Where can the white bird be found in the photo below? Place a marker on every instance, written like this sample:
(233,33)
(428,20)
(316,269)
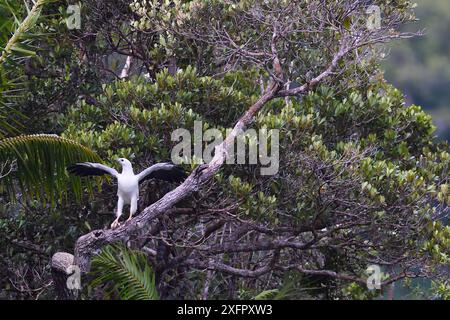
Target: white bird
(127,181)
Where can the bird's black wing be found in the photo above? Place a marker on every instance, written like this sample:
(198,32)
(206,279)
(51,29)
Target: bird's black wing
(91,169)
(165,171)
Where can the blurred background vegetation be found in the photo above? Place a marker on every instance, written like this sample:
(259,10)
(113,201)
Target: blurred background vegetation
(420,66)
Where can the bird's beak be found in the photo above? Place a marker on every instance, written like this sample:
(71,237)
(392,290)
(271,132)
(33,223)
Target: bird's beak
(117,160)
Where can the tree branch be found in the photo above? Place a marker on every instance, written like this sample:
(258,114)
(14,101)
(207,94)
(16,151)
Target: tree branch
(218,266)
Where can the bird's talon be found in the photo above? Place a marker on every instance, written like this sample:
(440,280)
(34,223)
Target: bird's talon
(115,224)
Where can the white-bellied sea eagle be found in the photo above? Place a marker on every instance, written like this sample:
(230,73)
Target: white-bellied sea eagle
(127,181)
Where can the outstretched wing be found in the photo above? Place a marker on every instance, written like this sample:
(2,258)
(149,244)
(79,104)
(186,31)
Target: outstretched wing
(163,171)
(91,169)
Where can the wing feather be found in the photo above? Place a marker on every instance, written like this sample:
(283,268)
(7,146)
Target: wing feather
(165,171)
(84,169)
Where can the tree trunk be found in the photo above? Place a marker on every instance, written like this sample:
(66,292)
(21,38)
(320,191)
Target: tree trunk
(63,273)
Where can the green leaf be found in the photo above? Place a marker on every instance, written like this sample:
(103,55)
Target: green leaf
(19,49)
(267,294)
(124,272)
(347,23)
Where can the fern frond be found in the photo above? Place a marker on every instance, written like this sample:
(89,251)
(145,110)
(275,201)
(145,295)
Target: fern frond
(125,272)
(39,166)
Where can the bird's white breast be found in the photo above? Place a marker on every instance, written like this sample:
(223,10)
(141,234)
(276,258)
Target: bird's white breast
(128,186)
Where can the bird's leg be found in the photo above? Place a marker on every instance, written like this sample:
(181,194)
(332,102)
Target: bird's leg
(133,208)
(116,223)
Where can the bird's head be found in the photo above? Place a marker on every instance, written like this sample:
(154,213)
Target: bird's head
(124,163)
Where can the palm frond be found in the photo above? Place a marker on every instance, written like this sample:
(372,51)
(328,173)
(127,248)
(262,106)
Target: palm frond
(39,163)
(14,50)
(14,43)
(267,294)
(124,272)
(289,289)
